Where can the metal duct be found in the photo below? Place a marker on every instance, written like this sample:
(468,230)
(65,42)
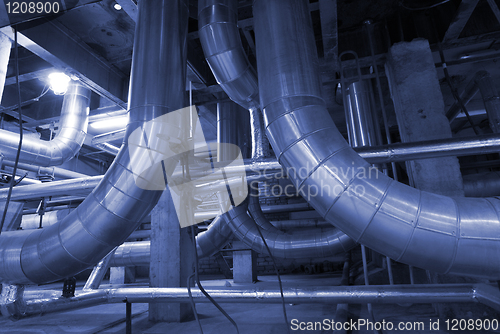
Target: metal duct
(358,111)
(68,141)
(208,243)
(6,36)
(482,185)
(305,244)
(116,206)
(442,234)
(221,43)
(32,221)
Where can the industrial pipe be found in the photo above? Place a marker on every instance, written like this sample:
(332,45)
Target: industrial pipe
(376,154)
(117,205)
(6,36)
(17,303)
(220,40)
(68,140)
(306,244)
(482,185)
(446,235)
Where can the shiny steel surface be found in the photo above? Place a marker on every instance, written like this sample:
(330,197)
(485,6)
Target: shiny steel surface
(438,233)
(55,171)
(359,115)
(482,185)
(483,144)
(220,39)
(56,188)
(32,221)
(68,141)
(116,206)
(304,244)
(16,303)
(97,274)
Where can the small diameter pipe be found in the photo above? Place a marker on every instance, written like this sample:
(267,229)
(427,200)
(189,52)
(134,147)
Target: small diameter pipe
(17,304)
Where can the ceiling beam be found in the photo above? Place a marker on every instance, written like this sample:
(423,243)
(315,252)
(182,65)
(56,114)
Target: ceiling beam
(40,74)
(494,8)
(462,16)
(57,46)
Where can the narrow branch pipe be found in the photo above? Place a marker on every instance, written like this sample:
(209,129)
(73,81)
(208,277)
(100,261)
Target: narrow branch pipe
(68,141)
(17,303)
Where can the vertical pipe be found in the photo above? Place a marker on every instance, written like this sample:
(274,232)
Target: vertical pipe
(227,131)
(5,46)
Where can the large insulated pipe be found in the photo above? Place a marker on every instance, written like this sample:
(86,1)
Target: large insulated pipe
(221,43)
(438,233)
(17,303)
(208,243)
(482,185)
(117,205)
(68,141)
(305,244)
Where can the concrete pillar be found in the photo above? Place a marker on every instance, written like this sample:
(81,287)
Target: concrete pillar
(419,107)
(121,275)
(244,264)
(172,259)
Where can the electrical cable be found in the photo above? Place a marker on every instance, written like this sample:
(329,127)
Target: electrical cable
(197,278)
(191,301)
(423,8)
(277,274)
(14,171)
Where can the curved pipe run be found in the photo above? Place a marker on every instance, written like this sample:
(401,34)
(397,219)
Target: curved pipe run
(68,141)
(306,244)
(438,233)
(117,205)
(221,43)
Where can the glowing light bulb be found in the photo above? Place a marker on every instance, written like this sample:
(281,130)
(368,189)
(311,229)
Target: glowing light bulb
(59,82)
(117,6)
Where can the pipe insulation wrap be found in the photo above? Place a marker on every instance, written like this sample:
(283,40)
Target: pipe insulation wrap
(438,233)
(117,205)
(68,140)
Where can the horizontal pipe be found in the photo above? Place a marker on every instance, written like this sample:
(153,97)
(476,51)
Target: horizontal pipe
(56,188)
(482,185)
(17,304)
(57,172)
(484,144)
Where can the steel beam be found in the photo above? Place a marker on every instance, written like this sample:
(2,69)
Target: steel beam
(57,46)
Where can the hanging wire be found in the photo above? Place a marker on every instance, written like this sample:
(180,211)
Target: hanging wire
(19,110)
(277,275)
(191,300)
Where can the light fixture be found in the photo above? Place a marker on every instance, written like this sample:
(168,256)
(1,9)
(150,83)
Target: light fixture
(59,82)
(117,6)
(111,123)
